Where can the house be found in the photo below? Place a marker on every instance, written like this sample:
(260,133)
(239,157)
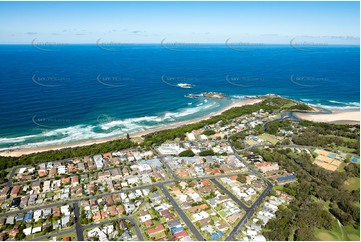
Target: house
(174,223)
(10,220)
(267,166)
(42,172)
(28,216)
(56,212)
(36,230)
(181,234)
(65,210)
(109,200)
(113,210)
(98,161)
(125,171)
(72,167)
(52,172)
(156,230)
(65,180)
(36,185)
(74,181)
(62,170)
(216,235)
(286,179)
(125,236)
(107,155)
(37,215)
(19,218)
(4,192)
(191,136)
(183,185)
(148,223)
(65,220)
(27,231)
(15,191)
(170,149)
(97,216)
(175,230)
(116,174)
(103,175)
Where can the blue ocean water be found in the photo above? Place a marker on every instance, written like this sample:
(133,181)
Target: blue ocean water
(66,94)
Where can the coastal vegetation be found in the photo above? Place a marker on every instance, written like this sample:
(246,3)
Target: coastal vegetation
(271,104)
(320,198)
(338,137)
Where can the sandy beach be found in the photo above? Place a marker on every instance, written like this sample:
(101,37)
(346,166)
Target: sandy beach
(350,117)
(24,151)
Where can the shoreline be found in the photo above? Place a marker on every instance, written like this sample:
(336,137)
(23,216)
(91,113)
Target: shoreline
(16,152)
(339,116)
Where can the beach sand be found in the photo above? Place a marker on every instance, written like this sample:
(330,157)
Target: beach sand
(24,151)
(347,117)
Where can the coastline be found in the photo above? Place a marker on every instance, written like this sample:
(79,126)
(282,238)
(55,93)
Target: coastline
(24,151)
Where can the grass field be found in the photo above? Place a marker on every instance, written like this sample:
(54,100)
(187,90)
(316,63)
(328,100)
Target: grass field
(352,183)
(344,149)
(341,167)
(338,233)
(251,142)
(270,138)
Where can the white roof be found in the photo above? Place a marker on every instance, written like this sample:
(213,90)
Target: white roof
(27,231)
(22,170)
(35,230)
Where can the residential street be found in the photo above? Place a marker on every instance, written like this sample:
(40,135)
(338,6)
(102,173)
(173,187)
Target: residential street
(182,214)
(79,229)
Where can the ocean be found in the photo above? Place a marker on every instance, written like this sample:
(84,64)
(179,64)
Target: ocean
(64,94)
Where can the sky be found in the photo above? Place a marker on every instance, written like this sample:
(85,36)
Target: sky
(180,22)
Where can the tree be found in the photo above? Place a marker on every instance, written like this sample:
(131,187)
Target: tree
(20,236)
(242,178)
(186,153)
(208,132)
(207,153)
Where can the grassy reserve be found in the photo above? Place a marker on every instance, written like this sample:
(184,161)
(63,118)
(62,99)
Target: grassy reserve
(338,233)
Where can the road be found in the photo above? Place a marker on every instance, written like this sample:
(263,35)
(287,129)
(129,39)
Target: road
(249,211)
(76,200)
(231,195)
(182,214)
(170,170)
(78,227)
(249,214)
(12,173)
(131,220)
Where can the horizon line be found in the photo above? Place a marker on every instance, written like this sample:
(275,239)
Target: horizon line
(186,43)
